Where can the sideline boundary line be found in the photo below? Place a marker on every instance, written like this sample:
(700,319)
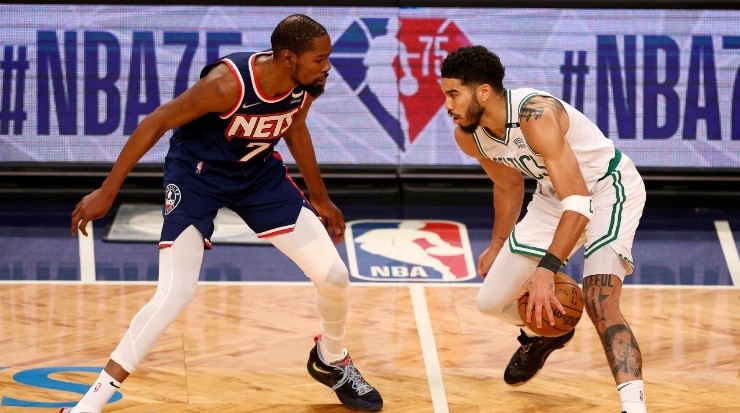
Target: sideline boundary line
(354,285)
(428,349)
(87,255)
(729,249)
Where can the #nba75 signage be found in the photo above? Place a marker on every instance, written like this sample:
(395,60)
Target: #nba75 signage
(664,84)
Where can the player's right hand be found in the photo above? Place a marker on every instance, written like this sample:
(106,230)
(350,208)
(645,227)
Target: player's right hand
(93,206)
(541,289)
(486,258)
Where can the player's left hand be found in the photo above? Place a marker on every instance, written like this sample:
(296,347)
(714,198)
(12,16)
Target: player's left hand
(332,218)
(541,289)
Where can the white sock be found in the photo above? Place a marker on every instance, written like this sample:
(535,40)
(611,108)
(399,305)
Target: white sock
(98,395)
(632,394)
(330,358)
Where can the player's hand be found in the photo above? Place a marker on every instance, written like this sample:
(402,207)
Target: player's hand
(486,258)
(541,289)
(332,218)
(93,206)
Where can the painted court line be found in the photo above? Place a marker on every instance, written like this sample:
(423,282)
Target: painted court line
(87,255)
(729,249)
(228,284)
(428,348)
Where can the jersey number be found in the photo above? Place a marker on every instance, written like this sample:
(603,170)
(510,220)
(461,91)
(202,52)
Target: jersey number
(254,149)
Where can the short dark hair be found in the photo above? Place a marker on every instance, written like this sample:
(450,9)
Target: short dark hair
(296,33)
(473,66)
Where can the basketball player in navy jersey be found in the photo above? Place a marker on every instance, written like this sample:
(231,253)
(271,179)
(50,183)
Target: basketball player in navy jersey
(222,155)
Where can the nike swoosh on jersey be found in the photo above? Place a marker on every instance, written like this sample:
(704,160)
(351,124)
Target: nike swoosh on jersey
(244,106)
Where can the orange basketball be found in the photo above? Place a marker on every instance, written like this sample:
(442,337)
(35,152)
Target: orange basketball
(570,296)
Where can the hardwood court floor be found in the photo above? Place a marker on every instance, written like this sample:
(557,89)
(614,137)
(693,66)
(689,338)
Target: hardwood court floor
(243,348)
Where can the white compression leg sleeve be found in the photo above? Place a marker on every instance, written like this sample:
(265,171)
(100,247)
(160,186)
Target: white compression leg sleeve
(310,247)
(179,267)
(497,296)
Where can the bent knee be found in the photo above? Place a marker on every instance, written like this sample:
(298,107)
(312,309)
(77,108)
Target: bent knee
(490,305)
(336,281)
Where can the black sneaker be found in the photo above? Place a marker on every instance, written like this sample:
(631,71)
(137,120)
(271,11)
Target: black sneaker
(346,381)
(531,355)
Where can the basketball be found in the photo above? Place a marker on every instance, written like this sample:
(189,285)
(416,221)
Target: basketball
(570,295)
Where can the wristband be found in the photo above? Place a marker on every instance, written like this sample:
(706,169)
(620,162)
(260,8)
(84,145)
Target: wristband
(580,204)
(550,262)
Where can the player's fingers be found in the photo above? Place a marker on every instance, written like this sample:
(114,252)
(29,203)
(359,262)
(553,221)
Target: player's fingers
(538,315)
(338,234)
(341,225)
(480,269)
(334,231)
(550,315)
(558,305)
(530,307)
(75,221)
(83,225)
(523,290)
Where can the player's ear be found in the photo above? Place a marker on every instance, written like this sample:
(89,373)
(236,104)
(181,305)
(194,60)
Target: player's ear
(483,92)
(289,58)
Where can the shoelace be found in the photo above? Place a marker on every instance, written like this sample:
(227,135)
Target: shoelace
(350,373)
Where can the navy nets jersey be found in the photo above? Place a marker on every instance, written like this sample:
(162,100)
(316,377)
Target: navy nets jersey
(248,132)
(228,160)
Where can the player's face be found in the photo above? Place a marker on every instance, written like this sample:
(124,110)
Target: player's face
(462,105)
(313,66)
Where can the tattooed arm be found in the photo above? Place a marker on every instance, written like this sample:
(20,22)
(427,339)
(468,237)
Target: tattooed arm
(544,122)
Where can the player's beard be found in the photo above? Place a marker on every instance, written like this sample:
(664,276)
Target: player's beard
(314,88)
(474,113)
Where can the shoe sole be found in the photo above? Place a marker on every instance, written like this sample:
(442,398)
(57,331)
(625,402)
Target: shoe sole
(521,383)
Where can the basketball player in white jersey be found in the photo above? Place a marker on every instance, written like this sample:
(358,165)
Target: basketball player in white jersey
(588,194)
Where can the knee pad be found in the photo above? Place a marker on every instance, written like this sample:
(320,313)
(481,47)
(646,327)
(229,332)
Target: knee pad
(336,282)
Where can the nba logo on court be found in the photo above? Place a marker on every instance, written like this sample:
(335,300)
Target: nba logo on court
(409,250)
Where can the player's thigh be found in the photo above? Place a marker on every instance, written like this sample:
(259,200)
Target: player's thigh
(505,278)
(188,203)
(271,208)
(619,201)
(533,235)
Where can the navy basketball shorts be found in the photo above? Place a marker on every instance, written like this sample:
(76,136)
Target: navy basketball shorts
(265,197)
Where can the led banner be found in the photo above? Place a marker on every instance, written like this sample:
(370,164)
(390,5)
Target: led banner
(663,84)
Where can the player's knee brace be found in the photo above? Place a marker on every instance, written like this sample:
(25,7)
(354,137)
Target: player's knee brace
(335,284)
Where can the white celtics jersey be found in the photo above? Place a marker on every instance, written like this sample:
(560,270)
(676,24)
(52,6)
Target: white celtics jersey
(595,153)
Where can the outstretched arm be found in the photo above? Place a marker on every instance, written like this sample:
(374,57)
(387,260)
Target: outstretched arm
(299,142)
(216,92)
